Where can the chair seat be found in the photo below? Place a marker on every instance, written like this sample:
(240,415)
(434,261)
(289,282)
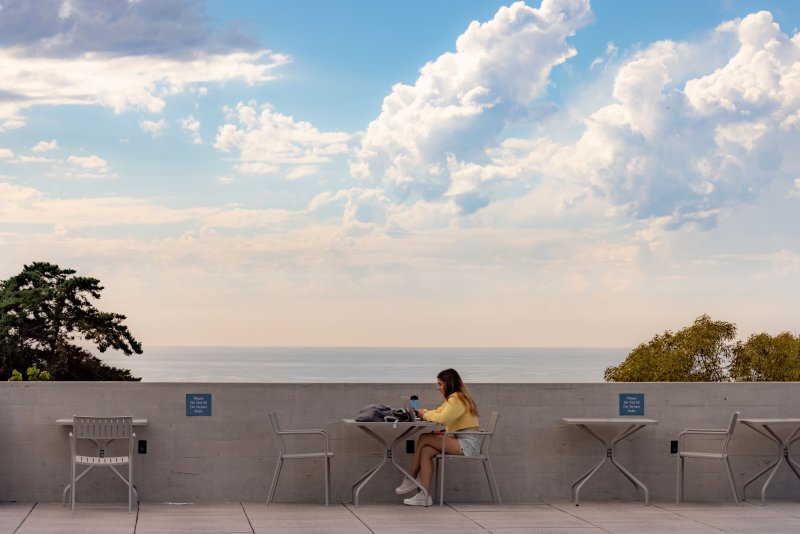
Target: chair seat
(94,460)
(687,454)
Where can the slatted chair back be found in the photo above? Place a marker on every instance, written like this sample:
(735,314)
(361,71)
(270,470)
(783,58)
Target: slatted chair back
(102,427)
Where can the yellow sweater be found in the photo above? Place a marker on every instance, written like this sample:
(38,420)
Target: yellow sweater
(453,414)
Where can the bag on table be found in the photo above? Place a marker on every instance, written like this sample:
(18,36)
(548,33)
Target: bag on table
(373,413)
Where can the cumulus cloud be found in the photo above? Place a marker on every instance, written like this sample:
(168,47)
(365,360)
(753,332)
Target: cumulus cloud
(192,126)
(117,54)
(463,100)
(119,83)
(6,153)
(45,146)
(69,28)
(35,159)
(691,129)
(266,140)
(89,162)
(154,128)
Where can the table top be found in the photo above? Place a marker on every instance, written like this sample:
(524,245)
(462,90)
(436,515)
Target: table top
(67,421)
(394,424)
(769,420)
(609,420)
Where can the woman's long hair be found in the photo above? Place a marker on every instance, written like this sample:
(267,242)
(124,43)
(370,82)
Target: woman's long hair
(453,384)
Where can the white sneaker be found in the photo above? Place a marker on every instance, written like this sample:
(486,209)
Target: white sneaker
(420,499)
(407,486)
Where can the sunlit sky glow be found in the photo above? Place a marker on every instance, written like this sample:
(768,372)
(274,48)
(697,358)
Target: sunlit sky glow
(415,173)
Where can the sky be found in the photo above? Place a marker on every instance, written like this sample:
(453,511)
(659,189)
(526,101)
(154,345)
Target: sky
(407,173)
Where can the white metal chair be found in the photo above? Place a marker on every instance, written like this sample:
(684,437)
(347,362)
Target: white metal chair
(722,433)
(326,455)
(485,437)
(101,431)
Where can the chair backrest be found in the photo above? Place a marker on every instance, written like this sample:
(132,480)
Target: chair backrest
(85,427)
(276,426)
(731,428)
(490,426)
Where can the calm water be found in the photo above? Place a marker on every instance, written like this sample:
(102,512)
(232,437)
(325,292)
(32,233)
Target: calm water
(342,364)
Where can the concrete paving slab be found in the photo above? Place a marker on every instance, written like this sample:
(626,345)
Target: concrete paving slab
(53,518)
(302,518)
(12,514)
(548,530)
(386,518)
(171,518)
(411,516)
(529,517)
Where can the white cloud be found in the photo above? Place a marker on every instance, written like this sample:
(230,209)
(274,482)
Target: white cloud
(266,139)
(93,163)
(302,171)
(257,167)
(6,153)
(154,128)
(192,127)
(118,82)
(27,205)
(692,128)
(45,146)
(462,100)
(36,159)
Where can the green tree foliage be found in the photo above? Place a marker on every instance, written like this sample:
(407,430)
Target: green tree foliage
(34,374)
(766,358)
(47,316)
(698,353)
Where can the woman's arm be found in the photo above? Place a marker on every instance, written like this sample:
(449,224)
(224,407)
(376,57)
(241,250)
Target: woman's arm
(447,413)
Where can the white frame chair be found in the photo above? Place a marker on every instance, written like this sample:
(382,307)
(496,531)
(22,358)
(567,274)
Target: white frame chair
(326,455)
(485,437)
(725,434)
(101,431)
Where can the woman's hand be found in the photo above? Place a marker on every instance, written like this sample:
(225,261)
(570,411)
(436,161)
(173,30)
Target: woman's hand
(421,412)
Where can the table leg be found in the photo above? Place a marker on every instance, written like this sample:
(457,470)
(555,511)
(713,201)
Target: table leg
(578,484)
(770,435)
(633,480)
(787,452)
(388,454)
(410,432)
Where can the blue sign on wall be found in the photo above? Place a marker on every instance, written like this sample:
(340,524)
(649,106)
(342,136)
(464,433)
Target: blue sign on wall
(631,403)
(198,404)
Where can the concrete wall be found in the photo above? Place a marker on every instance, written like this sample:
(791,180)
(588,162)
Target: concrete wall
(230,455)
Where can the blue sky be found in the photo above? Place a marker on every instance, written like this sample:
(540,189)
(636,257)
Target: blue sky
(423,173)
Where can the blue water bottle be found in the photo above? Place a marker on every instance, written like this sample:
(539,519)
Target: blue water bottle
(414,402)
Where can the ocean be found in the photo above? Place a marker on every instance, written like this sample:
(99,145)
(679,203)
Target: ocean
(366,364)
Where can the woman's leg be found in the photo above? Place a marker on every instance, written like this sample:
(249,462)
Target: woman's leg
(428,446)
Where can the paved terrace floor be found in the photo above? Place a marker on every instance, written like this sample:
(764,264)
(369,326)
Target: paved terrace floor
(553,518)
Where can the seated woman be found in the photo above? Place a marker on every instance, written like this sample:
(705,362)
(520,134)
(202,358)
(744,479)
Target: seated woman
(458,412)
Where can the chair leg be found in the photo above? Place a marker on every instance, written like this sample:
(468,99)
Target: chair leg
(130,487)
(495,491)
(274,480)
(730,479)
(72,487)
(327,480)
(679,481)
(441,481)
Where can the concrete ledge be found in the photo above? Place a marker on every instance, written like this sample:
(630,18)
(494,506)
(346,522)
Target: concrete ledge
(230,455)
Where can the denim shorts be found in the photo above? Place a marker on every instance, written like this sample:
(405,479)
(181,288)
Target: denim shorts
(470,445)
